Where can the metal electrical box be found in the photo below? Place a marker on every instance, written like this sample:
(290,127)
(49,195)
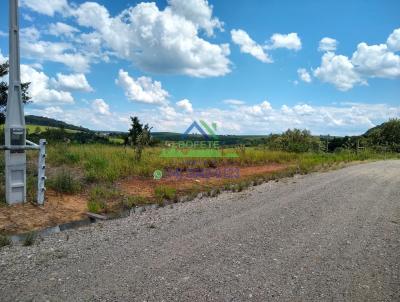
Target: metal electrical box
(15,167)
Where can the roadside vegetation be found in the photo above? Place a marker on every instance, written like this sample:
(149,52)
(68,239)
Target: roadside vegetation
(94,169)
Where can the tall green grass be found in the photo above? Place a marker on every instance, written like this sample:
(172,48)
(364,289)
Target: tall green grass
(78,165)
(105,163)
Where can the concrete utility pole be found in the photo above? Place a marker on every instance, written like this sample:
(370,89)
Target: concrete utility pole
(15,134)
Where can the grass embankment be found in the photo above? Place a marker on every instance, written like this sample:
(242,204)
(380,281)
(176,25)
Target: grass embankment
(87,168)
(94,171)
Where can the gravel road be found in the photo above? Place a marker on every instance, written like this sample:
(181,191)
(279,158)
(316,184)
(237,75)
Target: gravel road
(331,236)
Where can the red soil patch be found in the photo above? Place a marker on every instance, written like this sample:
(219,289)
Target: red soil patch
(56,210)
(145,186)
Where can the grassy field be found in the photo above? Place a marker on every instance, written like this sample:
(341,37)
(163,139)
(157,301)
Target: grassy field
(107,179)
(103,163)
(80,169)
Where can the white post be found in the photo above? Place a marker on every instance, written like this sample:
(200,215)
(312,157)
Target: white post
(41,172)
(15,134)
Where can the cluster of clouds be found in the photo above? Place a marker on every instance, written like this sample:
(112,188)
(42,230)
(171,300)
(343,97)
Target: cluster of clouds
(238,117)
(45,90)
(258,51)
(366,62)
(178,40)
(142,90)
(170,41)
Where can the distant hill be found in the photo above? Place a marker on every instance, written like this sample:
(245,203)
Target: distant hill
(49,122)
(387,134)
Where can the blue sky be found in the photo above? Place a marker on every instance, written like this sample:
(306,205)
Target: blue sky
(253,67)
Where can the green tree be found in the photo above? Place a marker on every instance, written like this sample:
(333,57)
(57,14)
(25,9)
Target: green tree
(142,141)
(387,134)
(4,68)
(139,136)
(134,131)
(295,140)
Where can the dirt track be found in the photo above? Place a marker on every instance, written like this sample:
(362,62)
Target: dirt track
(323,237)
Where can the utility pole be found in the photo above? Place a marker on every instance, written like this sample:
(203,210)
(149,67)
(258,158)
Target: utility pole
(15,134)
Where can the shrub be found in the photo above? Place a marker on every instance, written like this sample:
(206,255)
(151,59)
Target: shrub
(64,182)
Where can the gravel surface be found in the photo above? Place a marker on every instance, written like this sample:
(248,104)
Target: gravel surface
(331,236)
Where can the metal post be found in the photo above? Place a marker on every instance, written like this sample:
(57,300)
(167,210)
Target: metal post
(15,134)
(41,172)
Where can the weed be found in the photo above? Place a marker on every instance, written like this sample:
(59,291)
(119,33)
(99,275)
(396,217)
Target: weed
(4,240)
(64,182)
(133,200)
(30,239)
(216,192)
(31,190)
(95,168)
(98,197)
(164,192)
(96,206)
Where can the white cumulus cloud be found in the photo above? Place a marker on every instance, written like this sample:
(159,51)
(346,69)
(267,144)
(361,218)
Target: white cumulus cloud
(61,52)
(376,61)
(101,107)
(327,44)
(76,82)
(289,41)
(62,29)
(40,88)
(393,40)
(304,75)
(159,41)
(46,7)
(142,89)
(368,61)
(197,11)
(249,46)
(185,105)
(339,71)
